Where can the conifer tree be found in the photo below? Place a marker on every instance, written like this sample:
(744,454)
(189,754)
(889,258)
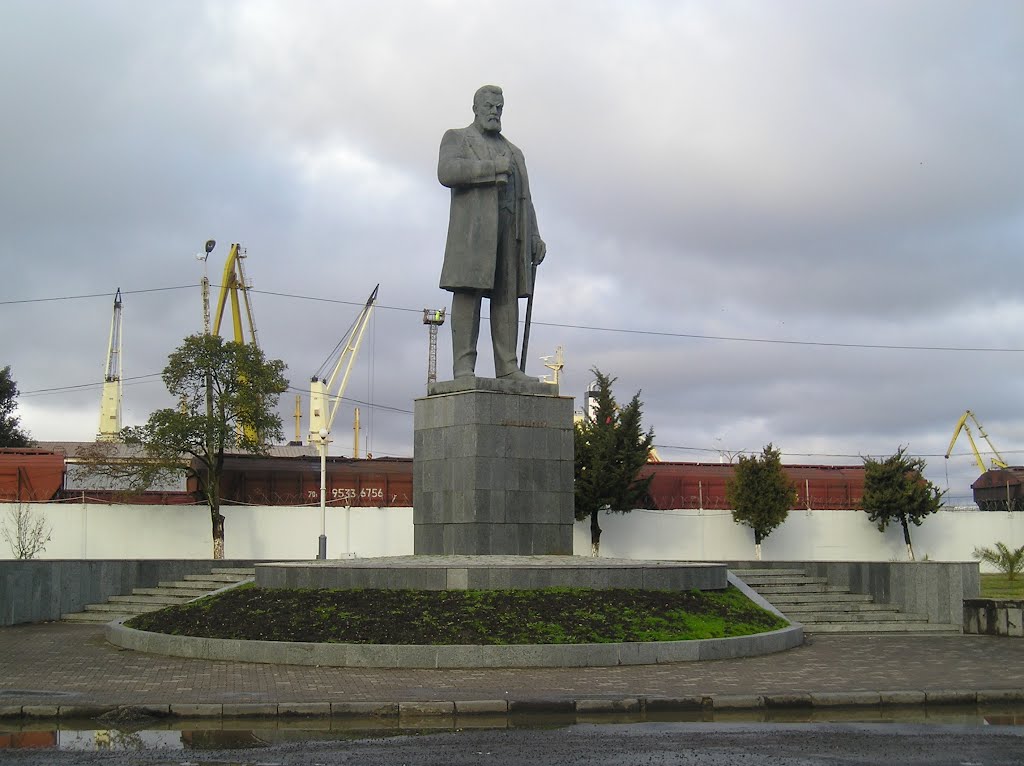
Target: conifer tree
(895,490)
(611,448)
(760,494)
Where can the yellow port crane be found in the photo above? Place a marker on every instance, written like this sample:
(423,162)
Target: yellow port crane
(234,282)
(961,425)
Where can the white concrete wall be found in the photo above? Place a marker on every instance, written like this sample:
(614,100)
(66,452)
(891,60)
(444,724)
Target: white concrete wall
(805,535)
(95,531)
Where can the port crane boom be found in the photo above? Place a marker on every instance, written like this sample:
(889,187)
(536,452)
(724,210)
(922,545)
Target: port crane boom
(110,404)
(234,282)
(961,425)
(323,405)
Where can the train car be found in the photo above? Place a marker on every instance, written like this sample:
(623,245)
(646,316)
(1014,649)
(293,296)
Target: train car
(291,476)
(1000,489)
(388,482)
(374,482)
(30,475)
(702,485)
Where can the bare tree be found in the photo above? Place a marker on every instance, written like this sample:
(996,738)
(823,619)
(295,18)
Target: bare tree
(26,531)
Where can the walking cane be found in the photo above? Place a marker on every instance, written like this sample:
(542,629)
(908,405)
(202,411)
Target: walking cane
(529,315)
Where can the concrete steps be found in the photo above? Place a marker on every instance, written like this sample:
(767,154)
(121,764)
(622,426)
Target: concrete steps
(824,608)
(142,600)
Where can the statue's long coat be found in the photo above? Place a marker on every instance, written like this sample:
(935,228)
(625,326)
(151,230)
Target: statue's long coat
(470,255)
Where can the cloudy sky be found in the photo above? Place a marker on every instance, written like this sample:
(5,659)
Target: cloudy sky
(791,222)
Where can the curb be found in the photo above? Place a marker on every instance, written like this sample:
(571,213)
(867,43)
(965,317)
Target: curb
(469,656)
(403,711)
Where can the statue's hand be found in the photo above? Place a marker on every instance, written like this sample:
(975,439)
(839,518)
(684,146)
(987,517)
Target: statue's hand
(539,250)
(502,169)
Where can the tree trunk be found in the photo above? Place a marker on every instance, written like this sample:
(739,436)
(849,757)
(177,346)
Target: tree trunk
(218,533)
(595,535)
(757,551)
(906,538)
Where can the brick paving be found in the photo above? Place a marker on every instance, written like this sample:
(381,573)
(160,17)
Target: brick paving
(68,665)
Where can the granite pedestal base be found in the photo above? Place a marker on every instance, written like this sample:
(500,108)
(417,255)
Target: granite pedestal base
(493,469)
(493,572)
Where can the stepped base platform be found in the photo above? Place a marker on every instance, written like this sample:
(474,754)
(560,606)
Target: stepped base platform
(484,572)
(492,572)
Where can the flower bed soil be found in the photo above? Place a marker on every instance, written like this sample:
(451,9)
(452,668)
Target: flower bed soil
(548,616)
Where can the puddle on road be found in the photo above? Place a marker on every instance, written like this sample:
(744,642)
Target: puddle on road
(201,734)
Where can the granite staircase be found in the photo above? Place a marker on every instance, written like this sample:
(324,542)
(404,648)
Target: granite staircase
(143,600)
(824,608)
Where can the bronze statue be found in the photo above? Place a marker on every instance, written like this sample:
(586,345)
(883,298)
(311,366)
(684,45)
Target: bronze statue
(493,243)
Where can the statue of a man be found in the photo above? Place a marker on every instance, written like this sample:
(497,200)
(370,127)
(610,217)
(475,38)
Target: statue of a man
(493,243)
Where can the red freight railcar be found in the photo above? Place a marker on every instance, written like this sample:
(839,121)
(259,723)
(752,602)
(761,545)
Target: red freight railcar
(296,481)
(1000,489)
(30,475)
(702,485)
(388,482)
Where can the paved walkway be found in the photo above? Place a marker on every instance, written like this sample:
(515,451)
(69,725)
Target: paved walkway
(58,664)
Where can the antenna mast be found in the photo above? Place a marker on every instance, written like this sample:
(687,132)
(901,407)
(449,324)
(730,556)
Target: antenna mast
(434,318)
(210,244)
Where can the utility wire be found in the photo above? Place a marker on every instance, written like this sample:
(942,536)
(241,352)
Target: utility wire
(357,401)
(683,448)
(58,389)
(858,456)
(591,328)
(94,295)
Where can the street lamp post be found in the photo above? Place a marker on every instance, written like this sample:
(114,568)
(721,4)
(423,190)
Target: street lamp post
(322,547)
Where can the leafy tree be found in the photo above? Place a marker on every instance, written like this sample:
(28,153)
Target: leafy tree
(11,434)
(238,414)
(760,494)
(895,490)
(611,448)
(1009,562)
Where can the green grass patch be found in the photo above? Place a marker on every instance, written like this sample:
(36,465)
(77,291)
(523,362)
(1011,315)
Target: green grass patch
(1001,586)
(546,616)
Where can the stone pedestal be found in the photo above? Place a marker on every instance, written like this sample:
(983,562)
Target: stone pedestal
(493,469)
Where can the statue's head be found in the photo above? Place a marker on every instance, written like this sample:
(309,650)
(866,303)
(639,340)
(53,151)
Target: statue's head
(487,106)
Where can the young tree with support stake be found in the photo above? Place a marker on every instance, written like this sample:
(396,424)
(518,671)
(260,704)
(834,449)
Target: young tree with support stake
(228,394)
(760,494)
(895,490)
(611,448)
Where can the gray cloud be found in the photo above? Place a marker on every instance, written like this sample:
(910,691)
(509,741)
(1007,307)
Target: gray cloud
(840,173)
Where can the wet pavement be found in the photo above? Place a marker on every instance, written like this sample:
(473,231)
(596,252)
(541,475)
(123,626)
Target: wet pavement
(58,664)
(676,744)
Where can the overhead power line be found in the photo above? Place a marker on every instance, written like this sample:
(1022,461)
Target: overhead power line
(360,402)
(94,295)
(857,456)
(97,384)
(589,328)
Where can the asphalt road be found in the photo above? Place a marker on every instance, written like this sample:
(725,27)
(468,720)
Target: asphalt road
(648,744)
